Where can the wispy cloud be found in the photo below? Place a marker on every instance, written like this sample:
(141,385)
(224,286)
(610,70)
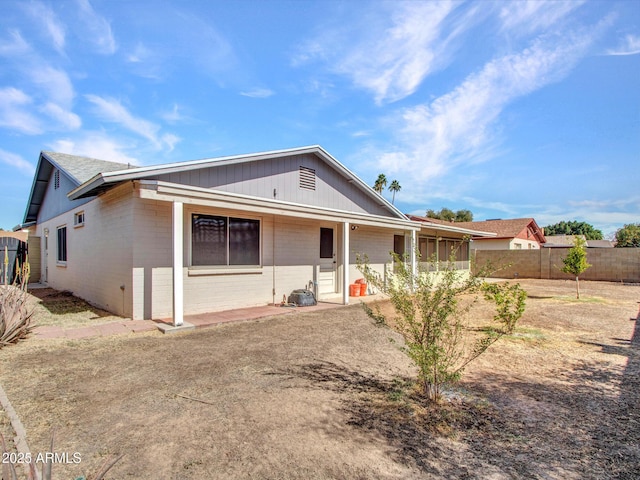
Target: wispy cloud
(527,16)
(389,53)
(98,28)
(258,93)
(113,111)
(15,111)
(65,118)
(16,45)
(174,115)
(17,162)
(54,82)
(52,26)
(461,126)
(630,45)
(95,145)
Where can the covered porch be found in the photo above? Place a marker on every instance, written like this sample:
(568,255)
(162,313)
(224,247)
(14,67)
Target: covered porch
(272,247)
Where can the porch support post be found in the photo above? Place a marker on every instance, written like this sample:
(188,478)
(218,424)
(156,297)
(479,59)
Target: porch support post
(412,255)
(345,262)
(178,249)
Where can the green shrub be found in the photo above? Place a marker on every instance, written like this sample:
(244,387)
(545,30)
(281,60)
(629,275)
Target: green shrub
(431,316)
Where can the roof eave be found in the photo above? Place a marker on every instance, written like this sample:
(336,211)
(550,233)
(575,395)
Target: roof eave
(103,179)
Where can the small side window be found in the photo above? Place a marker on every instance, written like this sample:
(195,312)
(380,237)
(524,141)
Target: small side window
(78,219)
(61,249)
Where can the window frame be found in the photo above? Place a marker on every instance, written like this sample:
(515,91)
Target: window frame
(62,250)
(78,219)
(224,266)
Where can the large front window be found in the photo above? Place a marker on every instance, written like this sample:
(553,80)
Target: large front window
(225,241)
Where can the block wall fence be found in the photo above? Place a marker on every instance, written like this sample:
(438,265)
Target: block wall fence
(608,264)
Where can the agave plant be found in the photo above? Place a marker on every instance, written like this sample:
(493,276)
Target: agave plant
(15,313)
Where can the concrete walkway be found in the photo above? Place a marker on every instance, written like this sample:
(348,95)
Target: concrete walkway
(198,321)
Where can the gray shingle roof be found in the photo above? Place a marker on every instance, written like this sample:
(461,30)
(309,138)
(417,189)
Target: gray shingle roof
(82,169)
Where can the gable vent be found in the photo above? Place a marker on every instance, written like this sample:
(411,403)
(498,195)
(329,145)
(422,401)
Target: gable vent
(56,179)
(307,178)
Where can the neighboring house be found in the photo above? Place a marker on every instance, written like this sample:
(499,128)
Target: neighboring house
(513,234)
(208,235)
(12,248)
(567,241)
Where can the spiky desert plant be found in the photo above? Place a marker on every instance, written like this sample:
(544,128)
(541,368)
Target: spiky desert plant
(15,312)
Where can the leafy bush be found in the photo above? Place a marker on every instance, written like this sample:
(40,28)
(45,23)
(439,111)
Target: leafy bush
(431,316)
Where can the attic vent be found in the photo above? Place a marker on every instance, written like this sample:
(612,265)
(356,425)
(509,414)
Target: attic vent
(307,178)
(56,179)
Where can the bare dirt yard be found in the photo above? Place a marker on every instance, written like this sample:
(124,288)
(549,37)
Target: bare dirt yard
(327,395)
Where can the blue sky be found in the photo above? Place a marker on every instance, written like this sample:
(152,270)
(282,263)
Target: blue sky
(508,109)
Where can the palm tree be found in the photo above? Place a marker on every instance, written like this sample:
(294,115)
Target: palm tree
(381,182)
(394,187)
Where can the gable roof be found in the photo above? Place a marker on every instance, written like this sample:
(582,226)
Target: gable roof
(506,228)
(77,169)
(450,226)
(93,176)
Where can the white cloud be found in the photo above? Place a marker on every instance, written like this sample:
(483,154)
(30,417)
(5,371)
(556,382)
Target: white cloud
(95,145)
(170,140)
(54,82)
(173,116)
(15,112)
(44,14)
(98,28)
(388,54)
(139,54)
(460,125)
(258,93)
(629,46)
(15,46)
(17,162)
(113,111)
(65,118)
(528,16)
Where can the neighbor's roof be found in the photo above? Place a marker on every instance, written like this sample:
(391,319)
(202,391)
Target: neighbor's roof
(77,169)
(450,226)
(505,228)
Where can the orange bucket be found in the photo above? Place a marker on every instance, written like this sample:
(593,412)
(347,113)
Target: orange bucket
(354,290)
(363,289)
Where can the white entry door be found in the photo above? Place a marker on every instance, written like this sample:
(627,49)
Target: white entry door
(327,273)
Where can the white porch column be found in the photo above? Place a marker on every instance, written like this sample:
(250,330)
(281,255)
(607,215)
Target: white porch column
(178,249)
(345,262)
(412,255)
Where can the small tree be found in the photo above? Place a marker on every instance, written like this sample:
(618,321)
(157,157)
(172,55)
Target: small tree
(431,317)
(576,261)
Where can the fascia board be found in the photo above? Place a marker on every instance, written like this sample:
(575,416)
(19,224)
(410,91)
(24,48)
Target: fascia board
(201,196)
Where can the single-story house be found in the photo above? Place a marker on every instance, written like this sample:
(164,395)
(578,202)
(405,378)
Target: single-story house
(207,235)
(511,234)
